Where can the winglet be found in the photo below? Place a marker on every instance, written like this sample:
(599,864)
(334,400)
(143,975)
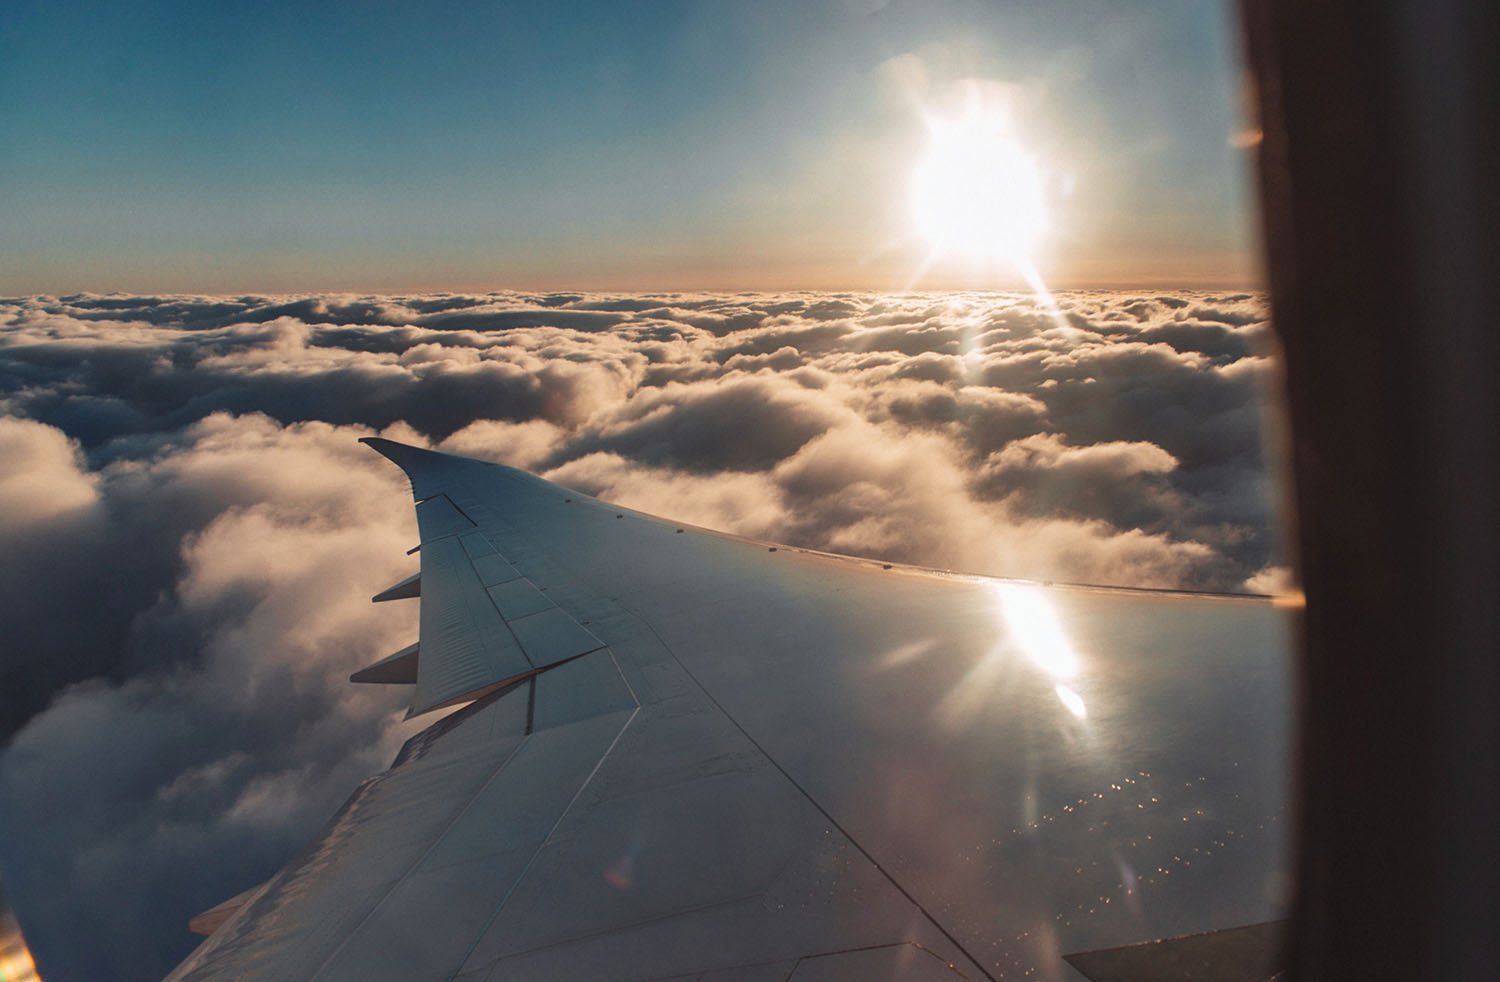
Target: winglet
(399,454)
(404,456)
(428,470)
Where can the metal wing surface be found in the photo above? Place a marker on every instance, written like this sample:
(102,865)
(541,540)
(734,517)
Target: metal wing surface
(687,755)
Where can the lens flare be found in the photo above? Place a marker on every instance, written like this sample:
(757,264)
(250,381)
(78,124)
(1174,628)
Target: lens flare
(15,958)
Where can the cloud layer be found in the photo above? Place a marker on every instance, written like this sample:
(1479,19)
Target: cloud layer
(192,532)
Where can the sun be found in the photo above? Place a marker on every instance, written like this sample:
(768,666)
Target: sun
(977,194)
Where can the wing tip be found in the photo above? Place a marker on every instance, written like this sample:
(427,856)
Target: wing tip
(390,449)
(424,468)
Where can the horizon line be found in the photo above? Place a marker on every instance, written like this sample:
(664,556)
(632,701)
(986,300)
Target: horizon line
(460,290)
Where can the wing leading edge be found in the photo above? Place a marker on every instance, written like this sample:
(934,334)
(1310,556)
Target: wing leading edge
(687,755)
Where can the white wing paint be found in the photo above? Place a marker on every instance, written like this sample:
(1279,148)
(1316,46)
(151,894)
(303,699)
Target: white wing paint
(691,756)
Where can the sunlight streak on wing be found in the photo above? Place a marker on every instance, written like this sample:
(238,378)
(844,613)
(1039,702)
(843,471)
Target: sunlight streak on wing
(904,654)
(966,701)
(1036,629)
(1072,700)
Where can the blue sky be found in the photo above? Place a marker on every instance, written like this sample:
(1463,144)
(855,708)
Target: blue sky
(619,145)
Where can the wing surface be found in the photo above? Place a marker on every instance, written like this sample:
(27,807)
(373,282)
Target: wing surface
(691,756)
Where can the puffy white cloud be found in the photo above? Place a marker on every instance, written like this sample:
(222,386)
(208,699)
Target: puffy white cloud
(228,729)
(1273,580)
(42,482)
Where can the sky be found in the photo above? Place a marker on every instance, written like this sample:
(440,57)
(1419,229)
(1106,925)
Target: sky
(235,146)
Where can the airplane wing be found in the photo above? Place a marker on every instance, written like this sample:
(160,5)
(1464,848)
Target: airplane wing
(687,755)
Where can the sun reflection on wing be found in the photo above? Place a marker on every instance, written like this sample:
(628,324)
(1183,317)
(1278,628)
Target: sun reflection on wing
(1072,700)
(1030,627)
(1034,626)
(1036,629)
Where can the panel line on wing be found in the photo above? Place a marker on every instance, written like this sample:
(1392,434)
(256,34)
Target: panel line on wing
(477,544)
(525,870)
(483,624)
(726,904)
(531,705)
(918,946)
(438,518)
(546,633)
(436,841)
(466,643)
(890,878)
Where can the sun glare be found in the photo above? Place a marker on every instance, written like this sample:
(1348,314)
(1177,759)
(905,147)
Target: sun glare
(1036,629)
(977,194)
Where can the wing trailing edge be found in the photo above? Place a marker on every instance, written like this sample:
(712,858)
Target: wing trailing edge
(1238,954)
